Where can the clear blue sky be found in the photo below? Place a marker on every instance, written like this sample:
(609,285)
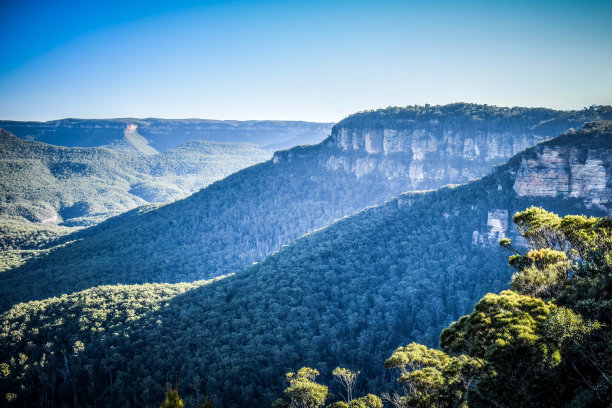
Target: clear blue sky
(308,60)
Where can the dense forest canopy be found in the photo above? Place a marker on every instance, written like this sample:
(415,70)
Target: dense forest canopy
(344,296)
(221,229)
(477,116)
(527,346)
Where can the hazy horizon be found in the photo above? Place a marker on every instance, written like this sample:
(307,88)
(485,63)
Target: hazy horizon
(280,120)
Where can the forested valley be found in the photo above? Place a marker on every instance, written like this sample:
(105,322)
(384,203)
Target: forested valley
(82,186)
(252,213)
(349,295)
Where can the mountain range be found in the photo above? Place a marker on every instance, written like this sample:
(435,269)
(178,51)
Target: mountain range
(347,294)
(77,186)
(151,135)
(368,158)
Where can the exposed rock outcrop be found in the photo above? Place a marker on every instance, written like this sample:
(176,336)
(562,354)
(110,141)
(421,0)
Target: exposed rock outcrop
(426,157)
(567,172)
(427,147)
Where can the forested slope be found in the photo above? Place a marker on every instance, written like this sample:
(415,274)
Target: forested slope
(346,295)
(241,219)
(41,183)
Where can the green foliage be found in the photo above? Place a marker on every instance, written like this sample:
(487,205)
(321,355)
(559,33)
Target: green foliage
(280,403)
(21,242)
(539,227)
(347,379)
(564,325)
(67,346)
(505,331)
(303,391)
(347,294)
(416,356)
(21,236)
(238,221)
(207,403)
(367,401)
(172,399)
(497,322)
(476,118)
(338,404)
(542,272)
(515,350)
(583,243)
(430,377)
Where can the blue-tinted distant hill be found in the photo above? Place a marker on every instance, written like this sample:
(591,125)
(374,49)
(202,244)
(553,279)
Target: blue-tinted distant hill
(244,217)
(148,136)
(43,183)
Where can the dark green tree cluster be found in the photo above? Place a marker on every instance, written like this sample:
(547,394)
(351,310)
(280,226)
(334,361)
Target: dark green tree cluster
(20,242)
(70,348)
(346,295)
(479,118)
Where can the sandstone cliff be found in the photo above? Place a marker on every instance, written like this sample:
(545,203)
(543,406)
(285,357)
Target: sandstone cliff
(576,166)
(569,172)
(427,147)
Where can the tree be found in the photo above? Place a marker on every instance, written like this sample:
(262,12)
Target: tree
(367,401)
(303,391)
(207,403)
(347,379)
(516,349)
(543,273)
(172,399)
(430,377)
(505,332)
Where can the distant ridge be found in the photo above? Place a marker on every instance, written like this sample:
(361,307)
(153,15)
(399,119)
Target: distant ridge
(151,135)
(76,186)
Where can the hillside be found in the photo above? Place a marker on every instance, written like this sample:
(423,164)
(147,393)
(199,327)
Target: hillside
(41,183)
(149,136)
(346,295)
(240,219)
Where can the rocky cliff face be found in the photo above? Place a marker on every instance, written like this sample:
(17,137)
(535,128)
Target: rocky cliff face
(427,156)
(424,147)
(567,172)
(575,166)
(573,170)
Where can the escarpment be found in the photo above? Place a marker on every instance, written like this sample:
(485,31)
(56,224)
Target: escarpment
(580,171)
(427,147)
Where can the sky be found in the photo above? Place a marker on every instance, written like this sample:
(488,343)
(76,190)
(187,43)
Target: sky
(297,60)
